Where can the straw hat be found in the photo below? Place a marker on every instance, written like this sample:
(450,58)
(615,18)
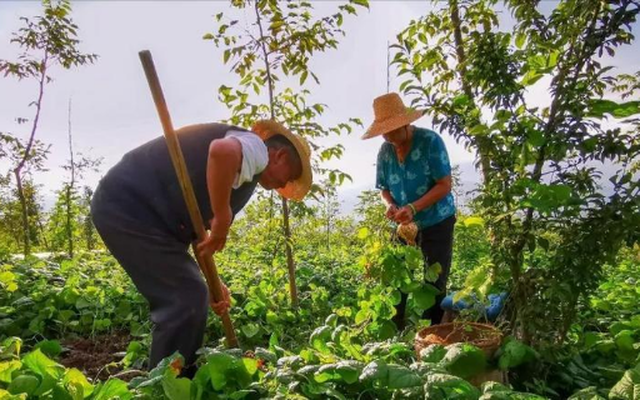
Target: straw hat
(390,114)
(294,190)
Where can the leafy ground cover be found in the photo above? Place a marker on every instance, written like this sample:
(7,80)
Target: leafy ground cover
(77,329)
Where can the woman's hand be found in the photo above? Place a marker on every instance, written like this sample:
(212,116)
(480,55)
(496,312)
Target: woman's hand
(391,212)
(404,215)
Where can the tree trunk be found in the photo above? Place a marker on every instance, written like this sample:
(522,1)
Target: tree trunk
(482,145)
(293,290)
(43,235)
(69,227)
(285,207)
(25,215)
(462,71)
(18,169)
(70,188)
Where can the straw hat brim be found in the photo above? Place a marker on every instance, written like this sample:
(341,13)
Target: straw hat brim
(297,189)
(378,128)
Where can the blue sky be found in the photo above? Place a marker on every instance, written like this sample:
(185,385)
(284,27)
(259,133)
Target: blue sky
(112,107)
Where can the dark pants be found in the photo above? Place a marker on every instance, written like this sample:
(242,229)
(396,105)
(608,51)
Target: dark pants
(436,243)
(164,272)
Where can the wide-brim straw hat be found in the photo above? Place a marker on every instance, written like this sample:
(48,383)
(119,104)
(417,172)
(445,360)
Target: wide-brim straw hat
(297,189)
(390,114)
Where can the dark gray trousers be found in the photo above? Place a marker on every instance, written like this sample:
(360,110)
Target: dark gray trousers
(164,272)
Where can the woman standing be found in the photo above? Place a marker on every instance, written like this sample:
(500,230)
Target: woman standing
(414,175)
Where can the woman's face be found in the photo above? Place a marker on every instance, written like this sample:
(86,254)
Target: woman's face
(398,136)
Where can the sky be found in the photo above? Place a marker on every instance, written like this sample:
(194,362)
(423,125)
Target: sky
(112,110)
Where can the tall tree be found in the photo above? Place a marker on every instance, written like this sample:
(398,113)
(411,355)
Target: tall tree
(279,43)
(21,208)
(46,41)
(77,166)
(538,161)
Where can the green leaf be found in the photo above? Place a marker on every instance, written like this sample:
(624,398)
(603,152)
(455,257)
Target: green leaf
(319,338)
(363,233)
(362,3)
(588,393)
(51,348)
(627,388)
(387,330)
(73,378)
(250,364)
(176,388)
(5,395)
(598,108)
(464,360)
(82,303)
(425,296)
(325,373)
(402,377)
(433,353)
(521,37)
(548,197)
(362,315)
(113,389)
(375,370)
(10,348)
(473,221)
(515,353)
(217,365)
(24,384)
(624,341)
(349,370)
(331,320)
(535,138)
(37,362)
(250,329)
(443,386)
(461,100)
(531,78)
(494,387)
(7,368)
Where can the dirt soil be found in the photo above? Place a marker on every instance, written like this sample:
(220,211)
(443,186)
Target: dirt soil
(92,356)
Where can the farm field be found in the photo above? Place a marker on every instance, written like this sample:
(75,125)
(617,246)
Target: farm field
(327,300)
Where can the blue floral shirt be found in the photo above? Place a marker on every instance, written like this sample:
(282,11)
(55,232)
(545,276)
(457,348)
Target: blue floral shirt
(426,163)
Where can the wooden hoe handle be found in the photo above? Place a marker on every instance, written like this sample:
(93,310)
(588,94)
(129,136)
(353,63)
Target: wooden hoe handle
(207,265)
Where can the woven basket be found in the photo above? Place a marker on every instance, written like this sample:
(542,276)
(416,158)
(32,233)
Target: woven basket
(486,337)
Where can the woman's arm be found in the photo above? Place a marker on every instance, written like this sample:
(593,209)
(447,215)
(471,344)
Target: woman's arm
(442,187)
(437,193)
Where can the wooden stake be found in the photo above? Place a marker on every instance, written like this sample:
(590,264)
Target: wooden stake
(207,266)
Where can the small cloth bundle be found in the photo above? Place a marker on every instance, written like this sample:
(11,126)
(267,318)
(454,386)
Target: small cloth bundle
(408,233)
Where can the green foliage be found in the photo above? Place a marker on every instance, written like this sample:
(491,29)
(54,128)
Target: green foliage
(543,226)
(464,360)
(36,376)
(514,353)
(276,46)
(53,36)
(336,344)
(46,41)
(628,387)
(11,224)
(537,160)
(83,296)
